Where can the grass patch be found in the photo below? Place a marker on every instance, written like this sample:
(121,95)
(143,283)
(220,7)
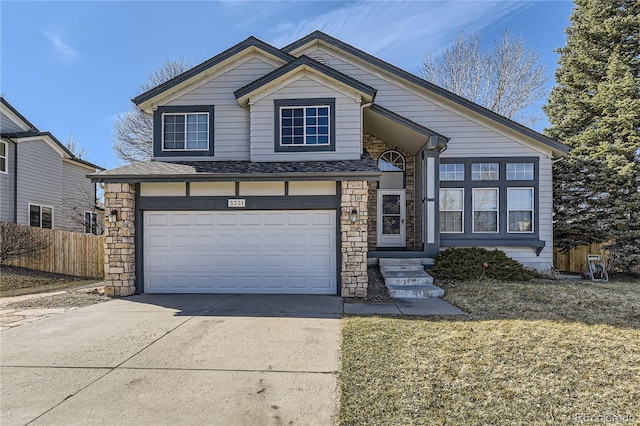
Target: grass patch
(19,281)
(542,352)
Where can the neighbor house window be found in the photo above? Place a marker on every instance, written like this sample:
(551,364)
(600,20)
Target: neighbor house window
(485,171)
(452,172)
(451,210)
(520,209)
(40,216)
(485,209)
(3,157)
(305,125)
(186,132)
(90,223)
(519,171)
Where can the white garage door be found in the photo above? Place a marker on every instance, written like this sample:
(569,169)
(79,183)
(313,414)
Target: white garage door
(240,252)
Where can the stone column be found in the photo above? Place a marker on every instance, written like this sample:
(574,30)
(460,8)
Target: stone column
(355,281)
(119,240)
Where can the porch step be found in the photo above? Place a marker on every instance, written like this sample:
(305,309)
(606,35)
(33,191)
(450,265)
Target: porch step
(394,261)
(409,281)
(401,268)
(415,291)
(406,277)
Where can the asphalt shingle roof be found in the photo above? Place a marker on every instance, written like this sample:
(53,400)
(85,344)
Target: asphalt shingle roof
(149,170)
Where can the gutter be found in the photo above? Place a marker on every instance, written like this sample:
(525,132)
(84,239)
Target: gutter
(373,175)
(15,180)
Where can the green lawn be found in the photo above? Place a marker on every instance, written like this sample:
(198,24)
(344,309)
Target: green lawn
(539,353)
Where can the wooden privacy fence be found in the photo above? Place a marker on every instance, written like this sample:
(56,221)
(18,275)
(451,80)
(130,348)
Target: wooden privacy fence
(575,260)
(69,253)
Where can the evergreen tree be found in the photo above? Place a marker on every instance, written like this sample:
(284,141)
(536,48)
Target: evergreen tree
(595,108)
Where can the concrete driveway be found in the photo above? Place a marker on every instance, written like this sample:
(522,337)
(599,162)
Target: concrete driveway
(176,359)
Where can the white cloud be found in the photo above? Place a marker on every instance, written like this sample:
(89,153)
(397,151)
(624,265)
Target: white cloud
(62,50)
(398,31)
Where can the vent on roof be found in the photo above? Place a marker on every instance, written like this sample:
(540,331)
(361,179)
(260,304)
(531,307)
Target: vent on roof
(321,59)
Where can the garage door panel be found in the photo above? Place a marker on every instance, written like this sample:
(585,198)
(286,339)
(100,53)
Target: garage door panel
(248,251)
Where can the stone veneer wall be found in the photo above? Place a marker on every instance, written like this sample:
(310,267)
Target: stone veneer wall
(376,147)
(119,240)
(354,194)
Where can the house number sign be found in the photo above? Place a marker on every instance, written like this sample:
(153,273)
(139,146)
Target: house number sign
(235,202)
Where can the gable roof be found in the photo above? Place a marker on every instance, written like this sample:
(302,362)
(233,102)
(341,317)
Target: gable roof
(209,63)
(303,62)
(54,143)
(392,69)
(21,117)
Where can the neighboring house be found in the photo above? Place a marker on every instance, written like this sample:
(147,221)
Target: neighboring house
(41,182)
(285,170)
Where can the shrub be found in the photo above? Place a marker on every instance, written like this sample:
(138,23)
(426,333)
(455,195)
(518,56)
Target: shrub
(473,263)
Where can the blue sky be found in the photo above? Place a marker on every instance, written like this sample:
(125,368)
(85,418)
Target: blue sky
(71,67)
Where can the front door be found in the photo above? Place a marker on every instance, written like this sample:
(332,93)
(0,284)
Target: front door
(391,218)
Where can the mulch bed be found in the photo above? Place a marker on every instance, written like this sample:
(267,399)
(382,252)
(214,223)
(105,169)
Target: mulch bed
(377,291)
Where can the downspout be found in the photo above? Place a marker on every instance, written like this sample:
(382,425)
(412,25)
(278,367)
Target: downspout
(362,107)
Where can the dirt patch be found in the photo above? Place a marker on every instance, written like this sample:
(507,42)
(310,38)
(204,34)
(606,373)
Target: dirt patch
(70,299)
(16,281)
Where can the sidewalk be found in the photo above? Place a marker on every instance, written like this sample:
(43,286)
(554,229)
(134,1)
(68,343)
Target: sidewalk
(13,317)
(417,306)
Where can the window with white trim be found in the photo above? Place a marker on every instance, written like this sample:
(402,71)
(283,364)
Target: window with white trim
(305,125)
(485,171)
(452,172)
(485,209)
(185,131)
(40,216)
(90,223)
(3,157)
(452,210)
(520,210)
(519,171)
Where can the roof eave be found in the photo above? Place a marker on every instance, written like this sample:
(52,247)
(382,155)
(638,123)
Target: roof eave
(213,177)
(318,36)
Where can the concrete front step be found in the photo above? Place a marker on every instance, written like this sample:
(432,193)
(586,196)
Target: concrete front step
(389,261)
(406,277)
(383,269)
(414,291)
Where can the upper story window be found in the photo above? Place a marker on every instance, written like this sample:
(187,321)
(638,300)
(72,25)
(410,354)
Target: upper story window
(183,131)
(186,132)
(305,125)
(391,161)
(40,216)
(3,157)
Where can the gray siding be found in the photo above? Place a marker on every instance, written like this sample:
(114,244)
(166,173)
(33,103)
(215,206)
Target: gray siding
(469,133)
(7,125)
(347,127)
(78,196)
(469,136)
(231,122)
(39,179)
(7,189)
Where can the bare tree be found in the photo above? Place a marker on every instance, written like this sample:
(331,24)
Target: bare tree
(75,148)
(506,78)
(81,212)
(20,241)
(133,130)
